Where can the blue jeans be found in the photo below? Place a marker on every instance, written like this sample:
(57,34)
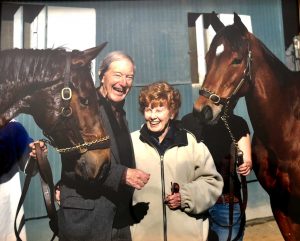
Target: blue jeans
(219,221)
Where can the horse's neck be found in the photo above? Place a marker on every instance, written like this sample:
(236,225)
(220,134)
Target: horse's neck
(274,90)
(271,79)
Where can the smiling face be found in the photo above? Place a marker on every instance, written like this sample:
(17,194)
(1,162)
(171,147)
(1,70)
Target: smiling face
(159,103)
(158,117)
(117,80)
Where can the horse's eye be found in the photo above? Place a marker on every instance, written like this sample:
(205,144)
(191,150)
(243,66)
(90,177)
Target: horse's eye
(84,101)
(236,61)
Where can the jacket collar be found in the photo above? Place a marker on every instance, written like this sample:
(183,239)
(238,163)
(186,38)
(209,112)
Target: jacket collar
(177,134)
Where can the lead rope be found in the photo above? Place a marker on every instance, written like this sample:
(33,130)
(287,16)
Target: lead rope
(46,178)
(224,118)
(238,158)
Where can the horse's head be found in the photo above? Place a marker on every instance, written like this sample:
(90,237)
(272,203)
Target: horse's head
(228,63)
(57,89)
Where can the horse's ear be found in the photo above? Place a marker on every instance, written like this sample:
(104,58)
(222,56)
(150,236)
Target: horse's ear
(215,22)
(238,22)
(87,55)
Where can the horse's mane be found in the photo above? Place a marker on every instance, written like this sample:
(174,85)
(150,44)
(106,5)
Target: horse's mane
(28,65)
(25,71)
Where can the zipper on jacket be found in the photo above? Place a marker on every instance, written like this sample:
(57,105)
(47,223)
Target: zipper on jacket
(163,195)
(163,192)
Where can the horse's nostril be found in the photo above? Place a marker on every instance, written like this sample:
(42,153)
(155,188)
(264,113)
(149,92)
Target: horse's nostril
(82,168)
(207,112)
(204,115)
(82,163)
(104,169)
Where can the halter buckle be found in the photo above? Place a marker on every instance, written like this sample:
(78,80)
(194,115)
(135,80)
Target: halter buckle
(214,98)
(82,149)
(66,93)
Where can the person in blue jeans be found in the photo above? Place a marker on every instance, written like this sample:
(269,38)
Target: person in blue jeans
(217,138)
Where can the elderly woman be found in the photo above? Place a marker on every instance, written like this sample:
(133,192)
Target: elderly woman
(173,158)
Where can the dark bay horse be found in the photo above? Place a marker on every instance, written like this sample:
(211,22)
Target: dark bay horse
(238,64)
(56,87)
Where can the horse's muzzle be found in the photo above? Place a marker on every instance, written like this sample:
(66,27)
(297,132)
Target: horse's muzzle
(91,167)
(203,116)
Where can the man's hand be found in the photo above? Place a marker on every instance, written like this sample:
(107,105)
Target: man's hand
(33,151)
(136,178)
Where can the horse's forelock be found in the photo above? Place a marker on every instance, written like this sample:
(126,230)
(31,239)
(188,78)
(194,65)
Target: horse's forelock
(232,35)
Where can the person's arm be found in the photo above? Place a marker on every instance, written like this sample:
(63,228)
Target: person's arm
(21,140)
(121,175)
(200,194)
(245,145)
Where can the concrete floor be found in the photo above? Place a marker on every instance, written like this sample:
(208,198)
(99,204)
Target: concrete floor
(256,230)
(263,230)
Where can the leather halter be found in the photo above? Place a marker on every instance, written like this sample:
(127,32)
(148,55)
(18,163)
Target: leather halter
(65,118)
(216,99)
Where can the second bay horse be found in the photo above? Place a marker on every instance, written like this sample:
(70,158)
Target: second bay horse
(239,64)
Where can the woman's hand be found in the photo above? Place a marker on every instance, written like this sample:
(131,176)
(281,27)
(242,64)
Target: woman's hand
(245,146)
(173,201)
